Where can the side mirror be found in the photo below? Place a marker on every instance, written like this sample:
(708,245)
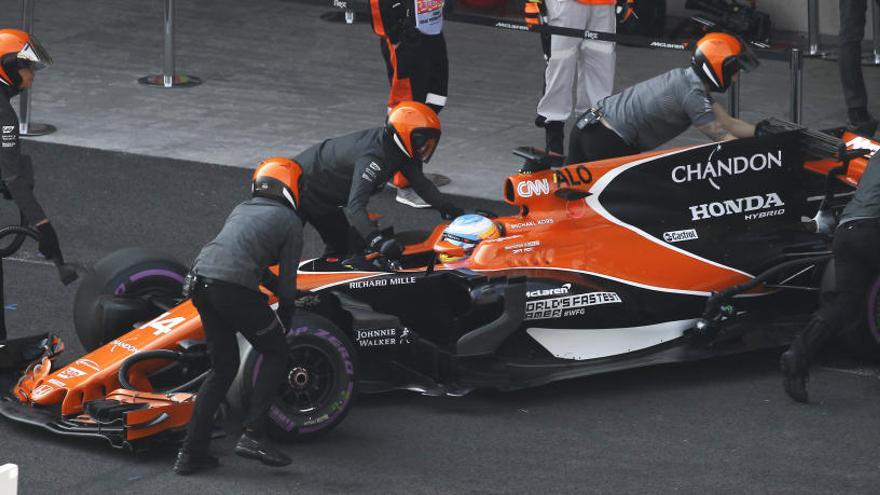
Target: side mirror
(570,194)
(449,249)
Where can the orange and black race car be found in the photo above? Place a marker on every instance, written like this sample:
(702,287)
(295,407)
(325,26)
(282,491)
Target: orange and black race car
(661,257)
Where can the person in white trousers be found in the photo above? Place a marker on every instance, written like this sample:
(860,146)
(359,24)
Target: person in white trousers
(587,65)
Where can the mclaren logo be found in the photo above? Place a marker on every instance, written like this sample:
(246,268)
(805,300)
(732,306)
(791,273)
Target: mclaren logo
(560,291)
(714,169)
(755,207)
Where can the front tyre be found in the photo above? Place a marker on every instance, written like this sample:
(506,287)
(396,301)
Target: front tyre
(319,385)
(126,281)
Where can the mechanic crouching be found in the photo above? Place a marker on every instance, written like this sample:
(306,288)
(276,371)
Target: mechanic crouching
(226,276)
(341,174)
(644,116)
(21,55)
(856,254)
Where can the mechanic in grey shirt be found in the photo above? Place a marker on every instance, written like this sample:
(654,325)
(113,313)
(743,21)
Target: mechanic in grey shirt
(341,174)
(650,113)
(260,232)
(856,255)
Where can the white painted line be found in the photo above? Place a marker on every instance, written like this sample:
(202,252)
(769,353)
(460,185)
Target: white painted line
(871,372)
(30,261)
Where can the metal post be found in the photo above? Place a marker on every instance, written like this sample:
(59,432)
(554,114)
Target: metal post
(813,27)
(733,99)
(875,16)
(797,86)
(25,126)
(169,78)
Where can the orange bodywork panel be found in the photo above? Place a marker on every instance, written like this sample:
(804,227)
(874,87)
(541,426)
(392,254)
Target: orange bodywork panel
(93,376)
(856,166)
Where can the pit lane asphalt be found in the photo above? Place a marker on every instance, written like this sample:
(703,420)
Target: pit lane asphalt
(721,426)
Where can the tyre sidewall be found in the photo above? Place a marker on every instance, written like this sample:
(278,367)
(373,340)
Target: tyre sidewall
(287,423)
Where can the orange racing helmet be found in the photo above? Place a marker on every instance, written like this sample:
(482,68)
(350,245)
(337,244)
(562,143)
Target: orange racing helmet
(277,178)
(718,56)
(18,50)
(414,128)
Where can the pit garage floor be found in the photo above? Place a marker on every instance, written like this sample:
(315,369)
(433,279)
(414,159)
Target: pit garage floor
(278,79)
(139,166)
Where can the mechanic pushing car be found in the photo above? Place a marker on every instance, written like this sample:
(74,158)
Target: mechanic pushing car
(856,254)
(644,116)
(340,175)
(21,55)
(225,277)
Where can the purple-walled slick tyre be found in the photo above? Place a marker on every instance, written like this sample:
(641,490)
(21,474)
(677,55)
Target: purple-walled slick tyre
(130,272)
(320,382)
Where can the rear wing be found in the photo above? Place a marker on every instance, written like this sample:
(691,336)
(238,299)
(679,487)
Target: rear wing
(835,153)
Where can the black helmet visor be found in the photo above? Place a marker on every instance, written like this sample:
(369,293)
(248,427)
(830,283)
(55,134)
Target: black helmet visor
(424,143)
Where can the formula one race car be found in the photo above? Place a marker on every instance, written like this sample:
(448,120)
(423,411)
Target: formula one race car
(660,257)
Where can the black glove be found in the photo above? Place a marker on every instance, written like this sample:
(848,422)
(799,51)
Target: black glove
(285,312)
(449,211)
(390,248)
(762,128)
(49,242)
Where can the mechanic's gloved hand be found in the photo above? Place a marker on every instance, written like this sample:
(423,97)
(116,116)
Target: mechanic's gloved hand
(49,242)
(762,128)
(390,248)
(449,211)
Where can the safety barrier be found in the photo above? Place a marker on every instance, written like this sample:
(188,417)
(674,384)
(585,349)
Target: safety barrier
(9,479)
(25,126)
(169,77)
(793,55)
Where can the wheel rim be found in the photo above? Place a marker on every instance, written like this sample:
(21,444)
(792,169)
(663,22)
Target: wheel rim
(310,378)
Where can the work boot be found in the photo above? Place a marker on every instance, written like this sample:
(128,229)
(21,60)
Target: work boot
(555,137)
(187,463)
(251,447)
(795,375)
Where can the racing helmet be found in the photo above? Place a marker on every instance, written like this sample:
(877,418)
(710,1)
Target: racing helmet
(18,50)
(468,231)
(414,128)
(718,56)
(277,178)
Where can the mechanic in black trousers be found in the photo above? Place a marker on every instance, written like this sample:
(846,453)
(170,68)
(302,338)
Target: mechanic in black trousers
(644,116)
(21,55)
(852,31)
(856,253)
(341,174)
(226,275)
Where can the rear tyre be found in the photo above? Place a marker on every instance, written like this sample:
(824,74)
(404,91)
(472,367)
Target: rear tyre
(131,276)
(319,385)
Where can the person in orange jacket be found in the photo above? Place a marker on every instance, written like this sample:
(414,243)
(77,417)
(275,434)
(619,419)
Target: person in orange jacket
(414,51)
